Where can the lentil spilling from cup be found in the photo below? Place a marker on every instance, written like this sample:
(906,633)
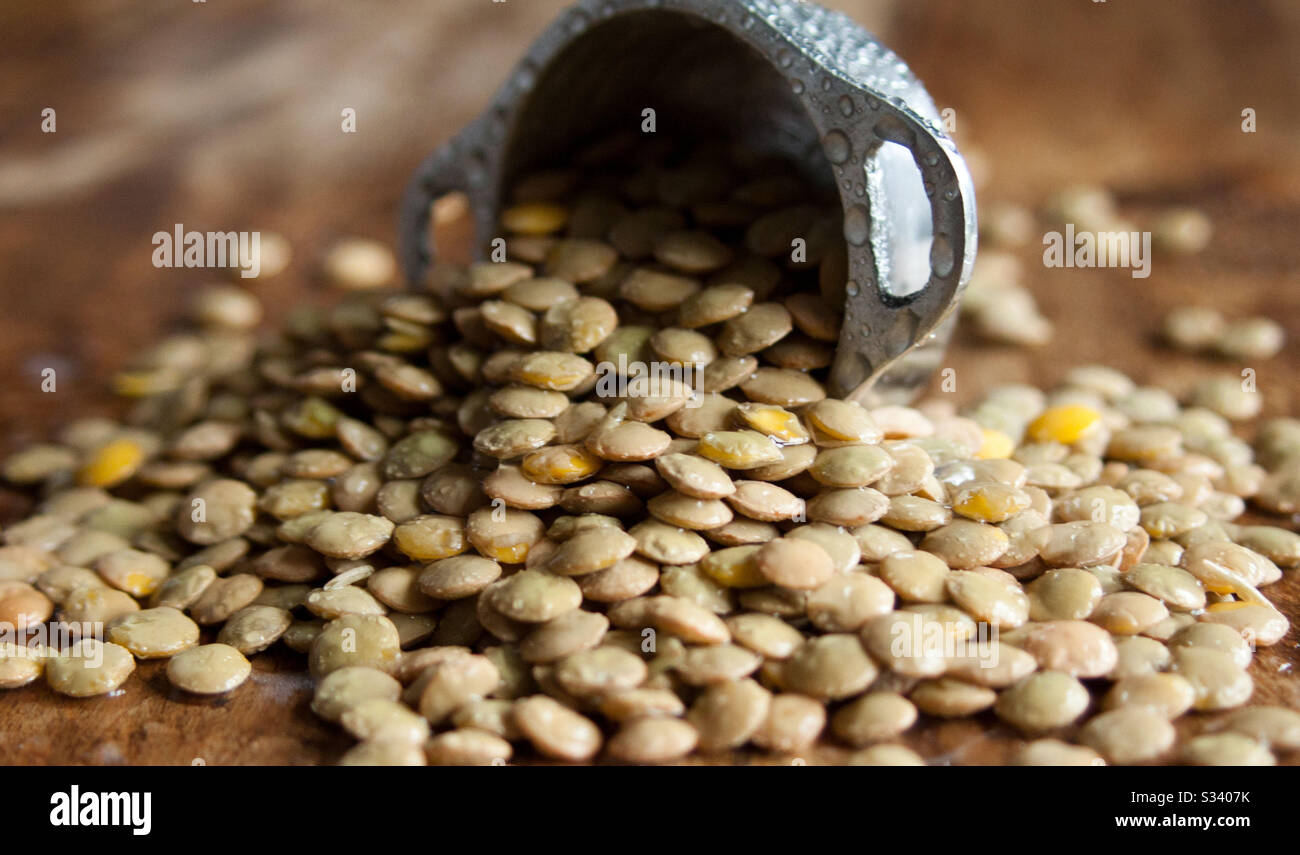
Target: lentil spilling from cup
(594,501)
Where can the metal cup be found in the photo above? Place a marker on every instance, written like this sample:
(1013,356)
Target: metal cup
(784,77)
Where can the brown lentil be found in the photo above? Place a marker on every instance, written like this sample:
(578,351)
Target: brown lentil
(721,525)
(254,628)
(225,596)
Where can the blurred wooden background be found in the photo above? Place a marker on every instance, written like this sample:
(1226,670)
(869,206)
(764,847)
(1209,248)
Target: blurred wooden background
(226,115)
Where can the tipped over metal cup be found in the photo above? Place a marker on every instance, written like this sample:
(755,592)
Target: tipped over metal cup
(782,77)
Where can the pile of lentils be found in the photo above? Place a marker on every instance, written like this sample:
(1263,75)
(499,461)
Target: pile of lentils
(482,553)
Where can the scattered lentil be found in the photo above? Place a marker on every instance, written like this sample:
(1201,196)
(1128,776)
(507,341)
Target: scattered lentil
(480,493)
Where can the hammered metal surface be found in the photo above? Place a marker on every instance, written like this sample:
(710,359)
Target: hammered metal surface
(789,77)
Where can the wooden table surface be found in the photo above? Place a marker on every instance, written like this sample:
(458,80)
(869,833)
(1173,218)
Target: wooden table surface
(226,115)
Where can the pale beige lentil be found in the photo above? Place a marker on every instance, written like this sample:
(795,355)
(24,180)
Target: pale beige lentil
(88,668)
(450,684)
(1138,656)
(600,670)
(1132,734)
(652,740)
(829,667)
(874,717)
(155,633)
(847,601)
(798,564)
(355,640)
(384,718)
(1128,612)
(23,606)
(1276,727)
(727,715)
(209,669)
(91,605)
(555,730)
(1218,682)
(384,752)
(458,577)
(1168,694)
(1066,593)
(467,746)
(20,665)
(1043,701)
(1226,749)
(897,640)
(947,697)
(886,755)
(1054,752)
(641,703)
(563,636)
(534,596)
(1073,647)
(793,724)
(963,544)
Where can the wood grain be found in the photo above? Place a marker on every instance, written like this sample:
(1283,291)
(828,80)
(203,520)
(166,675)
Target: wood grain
(226,116)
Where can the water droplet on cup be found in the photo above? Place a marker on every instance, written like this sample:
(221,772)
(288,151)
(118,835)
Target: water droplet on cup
(846,106)
(857,225)
(941,256)
(838,147)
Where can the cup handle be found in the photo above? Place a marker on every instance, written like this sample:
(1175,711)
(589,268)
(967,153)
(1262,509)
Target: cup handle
(888,341)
